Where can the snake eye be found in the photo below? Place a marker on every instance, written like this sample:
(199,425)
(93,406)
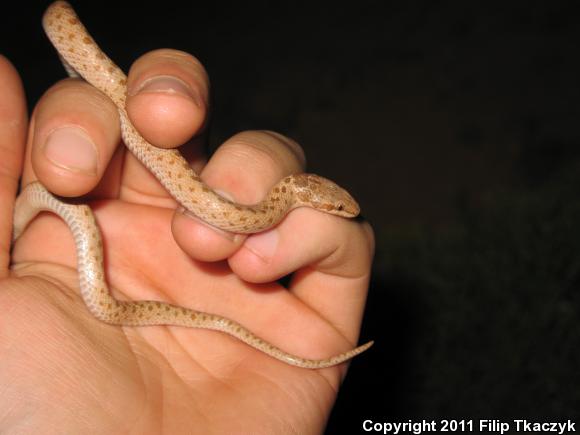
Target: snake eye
(340,207)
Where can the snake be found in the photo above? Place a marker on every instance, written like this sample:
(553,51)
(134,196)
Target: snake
(82,57)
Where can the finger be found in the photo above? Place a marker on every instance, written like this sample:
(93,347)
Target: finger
(329,256)
(244,168)
(306,238)
(13,127)
(168,92)
(75,133)
(337,285)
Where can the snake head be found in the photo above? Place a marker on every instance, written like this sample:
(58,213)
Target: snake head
(322,194)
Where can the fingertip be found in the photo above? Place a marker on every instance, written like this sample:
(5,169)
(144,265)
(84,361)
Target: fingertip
(75,133)
(168,97)
(201,241)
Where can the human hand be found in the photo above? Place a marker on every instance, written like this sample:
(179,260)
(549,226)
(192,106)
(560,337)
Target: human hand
(165,379)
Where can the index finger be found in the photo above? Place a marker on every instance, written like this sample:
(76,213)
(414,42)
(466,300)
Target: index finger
(13,124)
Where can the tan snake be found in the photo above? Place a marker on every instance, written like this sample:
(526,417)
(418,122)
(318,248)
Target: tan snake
(81,56)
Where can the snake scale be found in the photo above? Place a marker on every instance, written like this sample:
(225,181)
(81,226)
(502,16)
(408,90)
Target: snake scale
(81,56)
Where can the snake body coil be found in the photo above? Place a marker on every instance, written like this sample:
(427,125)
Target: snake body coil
(81,56)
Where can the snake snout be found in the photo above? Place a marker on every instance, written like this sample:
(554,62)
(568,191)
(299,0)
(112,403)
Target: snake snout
(323,194)
(346,205)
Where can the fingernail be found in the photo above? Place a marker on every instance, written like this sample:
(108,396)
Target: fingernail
(168,85)
(71,148)
(234,237)
(264,244)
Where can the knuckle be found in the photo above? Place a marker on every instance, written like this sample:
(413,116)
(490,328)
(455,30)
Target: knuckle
(266,148)
(293,146)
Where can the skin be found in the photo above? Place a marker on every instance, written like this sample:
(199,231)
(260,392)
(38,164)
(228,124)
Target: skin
(109,379)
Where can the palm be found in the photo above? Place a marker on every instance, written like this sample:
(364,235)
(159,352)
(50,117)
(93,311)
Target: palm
(153,369)
(64,371)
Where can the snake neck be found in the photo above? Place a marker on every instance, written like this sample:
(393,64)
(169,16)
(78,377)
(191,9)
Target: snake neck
(227,215)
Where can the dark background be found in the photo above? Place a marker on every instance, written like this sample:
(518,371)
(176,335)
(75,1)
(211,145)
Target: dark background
(455,126)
